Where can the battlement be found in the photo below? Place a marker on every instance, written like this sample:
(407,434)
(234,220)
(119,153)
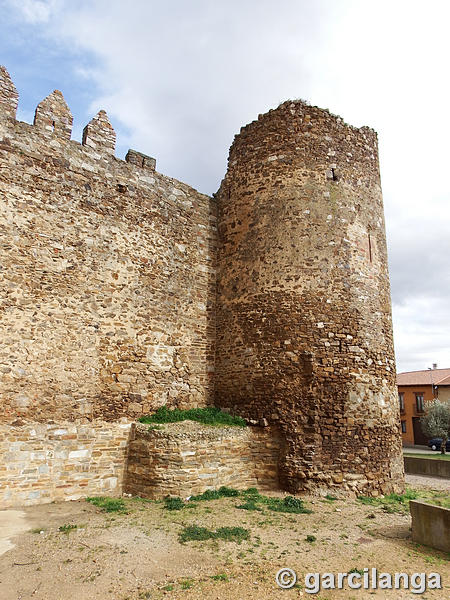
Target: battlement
(53,120)
(296,134)
(311,114)
(9,97)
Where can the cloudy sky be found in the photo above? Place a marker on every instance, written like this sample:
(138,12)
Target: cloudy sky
(178,79)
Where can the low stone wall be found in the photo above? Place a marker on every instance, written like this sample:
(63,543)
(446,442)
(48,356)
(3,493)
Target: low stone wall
(187,458)
(430,525)
(40,463)
(432,467)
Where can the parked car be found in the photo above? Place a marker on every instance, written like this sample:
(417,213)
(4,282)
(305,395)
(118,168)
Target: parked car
(435,444)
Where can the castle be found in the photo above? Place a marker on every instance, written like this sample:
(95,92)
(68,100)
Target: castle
(123,290)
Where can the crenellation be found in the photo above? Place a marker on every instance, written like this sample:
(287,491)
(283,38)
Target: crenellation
(53,116)
(9,96)
(140,160)
(99,134)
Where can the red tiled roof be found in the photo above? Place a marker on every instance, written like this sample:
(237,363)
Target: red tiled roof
(426,377)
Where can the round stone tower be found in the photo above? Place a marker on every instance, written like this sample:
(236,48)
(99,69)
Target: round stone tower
(304,331)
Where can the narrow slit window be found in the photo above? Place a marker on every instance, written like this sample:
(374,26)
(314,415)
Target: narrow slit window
(334,175)
(370,248)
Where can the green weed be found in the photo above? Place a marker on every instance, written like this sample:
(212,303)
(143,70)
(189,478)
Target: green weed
(392,503)
(233,534)
(230,534)
(173,503)
(222,492)
(67,528)
(249,505)
(219,577)
(289,504)
(108,504)
(208,416)
(331,498)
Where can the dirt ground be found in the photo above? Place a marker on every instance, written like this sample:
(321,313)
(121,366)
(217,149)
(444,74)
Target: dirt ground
(138,554)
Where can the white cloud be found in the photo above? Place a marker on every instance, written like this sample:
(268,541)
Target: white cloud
(37,11)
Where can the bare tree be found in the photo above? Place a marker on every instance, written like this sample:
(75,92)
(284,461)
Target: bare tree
(436,422)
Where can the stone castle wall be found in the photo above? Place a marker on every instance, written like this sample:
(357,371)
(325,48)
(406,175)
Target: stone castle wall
(184,459)
(107,282)
(107,291)
(304,333)
(110,308)
(41,463)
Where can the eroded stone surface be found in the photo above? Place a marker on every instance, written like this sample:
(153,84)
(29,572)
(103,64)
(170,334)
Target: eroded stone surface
(99,134)
(53,116)
(188,458)
(8,94)
(43,463)
(304,334)
(107,284)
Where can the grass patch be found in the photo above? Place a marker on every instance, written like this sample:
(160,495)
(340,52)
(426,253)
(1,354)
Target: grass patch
(173,503)
(222,492)
(195,533)
(67,528)
(437,456)
(392,502)
(249,505)
(254,500)
(219,577)
(108,504)
(208,416)
(438,498)
(310,539)
(289,504)
(331,498)
(143,500)
(176,503)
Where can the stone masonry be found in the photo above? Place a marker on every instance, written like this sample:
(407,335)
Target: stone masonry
(49,462)
(184,459)
(107,292)
(110,304)
(107,276)
(304,332)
